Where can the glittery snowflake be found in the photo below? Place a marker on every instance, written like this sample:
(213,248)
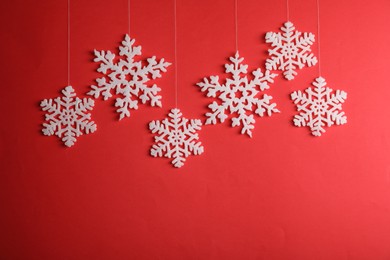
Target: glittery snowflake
(177,137)
(290,50)
(67,117)
(128,77)
(319,107)
(239,96)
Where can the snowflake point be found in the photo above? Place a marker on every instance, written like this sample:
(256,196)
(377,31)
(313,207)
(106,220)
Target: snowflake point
(288,24)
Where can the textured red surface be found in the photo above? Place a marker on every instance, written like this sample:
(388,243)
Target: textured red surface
(281,195)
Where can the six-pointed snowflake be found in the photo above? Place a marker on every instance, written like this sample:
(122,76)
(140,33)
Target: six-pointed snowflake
(239,96)
(68,116)
(290,50)
(177,137)
(320,107)
(128,77)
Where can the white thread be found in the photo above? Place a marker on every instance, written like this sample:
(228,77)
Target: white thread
(68,42)
(128,16)
(288,10)
(175,46)
(236,23)
(318,33)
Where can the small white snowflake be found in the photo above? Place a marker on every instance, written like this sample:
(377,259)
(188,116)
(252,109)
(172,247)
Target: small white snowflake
(290,50)
(320,107)
(128,77)
(177,137)
(68,116)
(239,96)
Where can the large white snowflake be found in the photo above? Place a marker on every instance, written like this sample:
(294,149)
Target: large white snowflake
(67,116)
(128,77)
(239,96)
(177,137)
(290,50)
(320,107)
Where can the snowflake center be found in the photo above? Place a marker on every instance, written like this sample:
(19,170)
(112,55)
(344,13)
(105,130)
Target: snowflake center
(319,107)
(290,50)
(177,137)
(128,75)
(68,116)
(236,94)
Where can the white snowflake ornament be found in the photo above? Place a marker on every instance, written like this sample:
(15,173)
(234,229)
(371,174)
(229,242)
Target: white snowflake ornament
(239,96)
(177,137)
(291,50)
(129,78)
(67,116)
(319,107)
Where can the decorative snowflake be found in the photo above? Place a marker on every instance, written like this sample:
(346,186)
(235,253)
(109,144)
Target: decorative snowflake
(67,116)
(291,49)
(239,96)
(177,137)
(128,77)
(320,107)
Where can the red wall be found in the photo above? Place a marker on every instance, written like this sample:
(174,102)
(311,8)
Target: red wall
(283,194)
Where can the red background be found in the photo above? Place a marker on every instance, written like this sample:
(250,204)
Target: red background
(283,194)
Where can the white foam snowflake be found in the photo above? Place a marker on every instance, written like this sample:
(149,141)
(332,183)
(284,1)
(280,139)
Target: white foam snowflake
(320,107)
(290,50)
(128,77)
(68,116)
(239,96)
(177,137)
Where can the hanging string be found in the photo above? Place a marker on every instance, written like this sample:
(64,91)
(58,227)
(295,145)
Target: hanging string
(175,47)
(236,23)
(318,33)
(288,10)
(128,16)
(68,43)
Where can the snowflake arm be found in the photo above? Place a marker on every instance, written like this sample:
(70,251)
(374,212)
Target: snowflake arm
(305,56)
(290,50)
(68,117)
(264,105)
(213,89)
(276,41)
(239,96)
(319,107)
(176,138)
(129,78)
(52,107)
(162,128)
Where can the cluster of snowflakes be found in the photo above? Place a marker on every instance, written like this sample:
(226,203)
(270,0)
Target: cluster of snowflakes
(238,97)
(130,79)
(321,106)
